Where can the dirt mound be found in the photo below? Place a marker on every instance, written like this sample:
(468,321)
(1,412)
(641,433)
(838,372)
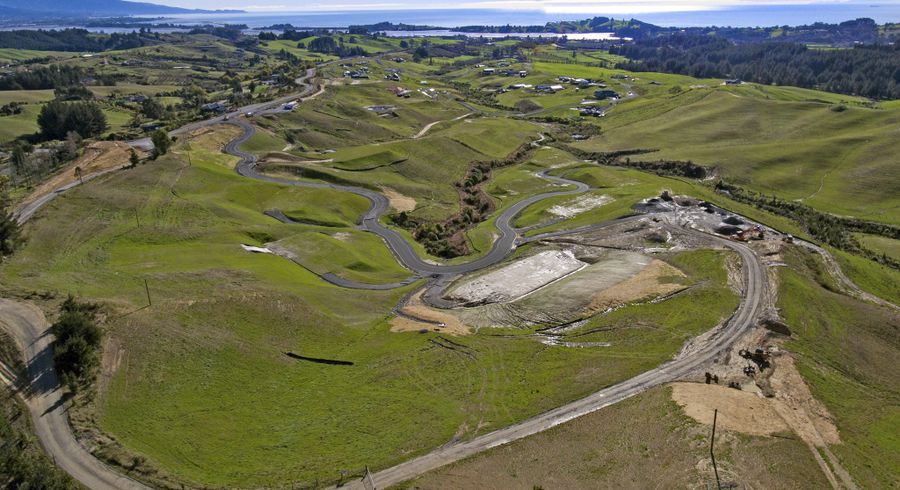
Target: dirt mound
(728,230)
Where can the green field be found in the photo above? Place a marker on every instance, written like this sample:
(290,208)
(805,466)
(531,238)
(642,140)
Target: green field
(207,357)
(844,350)
(839,162)
(218,384)
(646,441)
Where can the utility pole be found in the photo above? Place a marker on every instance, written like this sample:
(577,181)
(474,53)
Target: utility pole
(150,303)
(712,454)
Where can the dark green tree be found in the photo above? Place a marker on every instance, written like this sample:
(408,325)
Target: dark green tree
(161,142)
(153,109)
(58,118)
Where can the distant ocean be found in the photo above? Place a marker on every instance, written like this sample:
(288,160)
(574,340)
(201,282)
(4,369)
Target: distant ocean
(759,16)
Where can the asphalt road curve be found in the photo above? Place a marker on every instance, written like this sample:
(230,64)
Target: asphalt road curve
(379,205)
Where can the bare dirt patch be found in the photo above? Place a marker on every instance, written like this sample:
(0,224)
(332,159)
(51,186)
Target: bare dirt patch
(645,284)
(416,308)
(213,138)
(518,278)
(739,411)
(804,413)
(399,201)
(280,157)
(579,205)
(97,157)
(113,354)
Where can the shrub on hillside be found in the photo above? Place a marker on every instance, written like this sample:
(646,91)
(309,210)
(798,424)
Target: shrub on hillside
(78,337)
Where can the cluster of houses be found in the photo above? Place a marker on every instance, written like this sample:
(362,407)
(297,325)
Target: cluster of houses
(272,81)
(592,111)
(549,89)
(392,74)
(136,98)
(400,92)
(506,73)
(356,72)
(604,94)
(581,82)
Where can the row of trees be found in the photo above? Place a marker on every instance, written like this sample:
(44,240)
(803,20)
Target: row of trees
(836,231)
(42,78)
(58,118)
(328,45)
(447,238)
(622,158)
(70,40)
(867,70)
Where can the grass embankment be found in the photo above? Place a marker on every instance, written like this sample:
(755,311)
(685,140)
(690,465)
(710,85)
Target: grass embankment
(643,442)
(845,350)
(627,187)
(205,390)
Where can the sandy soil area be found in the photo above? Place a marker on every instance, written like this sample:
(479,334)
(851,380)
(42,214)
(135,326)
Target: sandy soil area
(399,201)
(739,411)
(98,156)
(415,307)
(645,284)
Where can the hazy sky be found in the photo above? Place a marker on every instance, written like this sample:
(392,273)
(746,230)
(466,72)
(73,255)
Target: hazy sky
(550,6)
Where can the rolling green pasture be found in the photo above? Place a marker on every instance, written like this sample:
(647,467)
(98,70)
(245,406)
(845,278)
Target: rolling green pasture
(841,162)
(11,127)
(880,244)
(351,254)
(339,118)
(845,349)
(12,55)
(206,385)
(424,168)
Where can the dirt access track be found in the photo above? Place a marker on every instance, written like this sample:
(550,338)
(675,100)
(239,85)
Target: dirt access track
(99,158)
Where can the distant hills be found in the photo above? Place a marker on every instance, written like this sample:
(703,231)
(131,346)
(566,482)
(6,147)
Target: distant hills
(44,9)
(847,33)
